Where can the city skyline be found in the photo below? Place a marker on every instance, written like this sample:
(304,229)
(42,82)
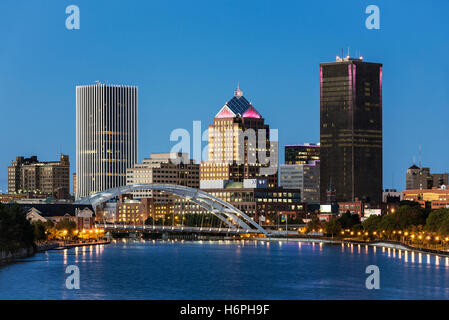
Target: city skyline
(290,82)
(221,158)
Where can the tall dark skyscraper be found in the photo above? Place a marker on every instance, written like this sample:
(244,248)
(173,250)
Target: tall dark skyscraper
(351,129)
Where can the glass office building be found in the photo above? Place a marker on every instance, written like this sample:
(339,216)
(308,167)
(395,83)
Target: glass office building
(106,136)
(351,129)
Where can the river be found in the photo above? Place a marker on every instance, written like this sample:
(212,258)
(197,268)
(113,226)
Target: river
(157,269)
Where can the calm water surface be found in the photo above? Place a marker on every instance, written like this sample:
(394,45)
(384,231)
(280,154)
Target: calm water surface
(226,270)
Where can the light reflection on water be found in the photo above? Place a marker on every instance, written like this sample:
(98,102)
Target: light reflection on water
(168,269)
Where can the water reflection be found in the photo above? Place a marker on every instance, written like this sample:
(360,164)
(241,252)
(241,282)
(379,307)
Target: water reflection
(294,263)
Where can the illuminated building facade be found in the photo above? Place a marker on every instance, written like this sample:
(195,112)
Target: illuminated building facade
(106,136)
(434,198)
(28,175)
(351,129)
(237,139)
(264,205)
(302,154)
(130,211)
(160,168)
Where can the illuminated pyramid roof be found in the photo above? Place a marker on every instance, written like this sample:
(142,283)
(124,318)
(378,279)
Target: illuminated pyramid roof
(238,106)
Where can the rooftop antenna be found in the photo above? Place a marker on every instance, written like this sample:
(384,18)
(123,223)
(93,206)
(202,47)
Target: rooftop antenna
(392,180)
(420,155)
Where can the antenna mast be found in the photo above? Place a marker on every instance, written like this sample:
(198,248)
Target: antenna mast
(420,155)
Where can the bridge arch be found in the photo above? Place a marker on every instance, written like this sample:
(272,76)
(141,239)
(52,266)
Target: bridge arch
(223,210)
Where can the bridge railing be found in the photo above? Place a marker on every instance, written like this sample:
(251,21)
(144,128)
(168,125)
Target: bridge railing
(122,227)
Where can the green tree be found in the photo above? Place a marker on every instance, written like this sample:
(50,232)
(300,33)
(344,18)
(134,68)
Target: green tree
(149,220)
(296,220)
(66,224)
(332,227)
(16,232)
(314,224)
(348,220)
(436,219)
(444,226)
(372,223)
(39,230)
(407,216)
(389,222)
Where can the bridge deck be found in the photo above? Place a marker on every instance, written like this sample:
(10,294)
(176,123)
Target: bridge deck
(146,228)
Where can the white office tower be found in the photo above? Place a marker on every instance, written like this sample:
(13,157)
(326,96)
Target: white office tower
(106,136)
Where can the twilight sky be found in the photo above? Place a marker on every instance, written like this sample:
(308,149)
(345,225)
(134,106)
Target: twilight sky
(188,56)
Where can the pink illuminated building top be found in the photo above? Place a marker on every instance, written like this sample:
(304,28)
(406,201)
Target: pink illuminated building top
(238,106)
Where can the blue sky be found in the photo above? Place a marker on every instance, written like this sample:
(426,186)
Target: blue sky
(188,56)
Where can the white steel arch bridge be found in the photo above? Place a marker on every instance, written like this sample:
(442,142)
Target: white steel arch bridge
(234,218)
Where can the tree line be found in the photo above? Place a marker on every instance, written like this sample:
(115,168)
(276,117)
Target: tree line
(17,232)
(410,217)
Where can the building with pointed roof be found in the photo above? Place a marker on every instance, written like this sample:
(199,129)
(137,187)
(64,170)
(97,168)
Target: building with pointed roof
(236,146)
(238,106)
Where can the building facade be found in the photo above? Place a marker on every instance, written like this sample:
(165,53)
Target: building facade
(238,140)
(165,168)
(434,198)
(351,129)
(82,215)
(421,178)
(74,183)
(264,205)
(106,136)
(28,175)
(130,211)
(354,207)
(305,177)
(302,154)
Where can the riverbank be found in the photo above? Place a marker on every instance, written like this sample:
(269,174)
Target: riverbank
(65,245)
(7,256)
(378,243)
